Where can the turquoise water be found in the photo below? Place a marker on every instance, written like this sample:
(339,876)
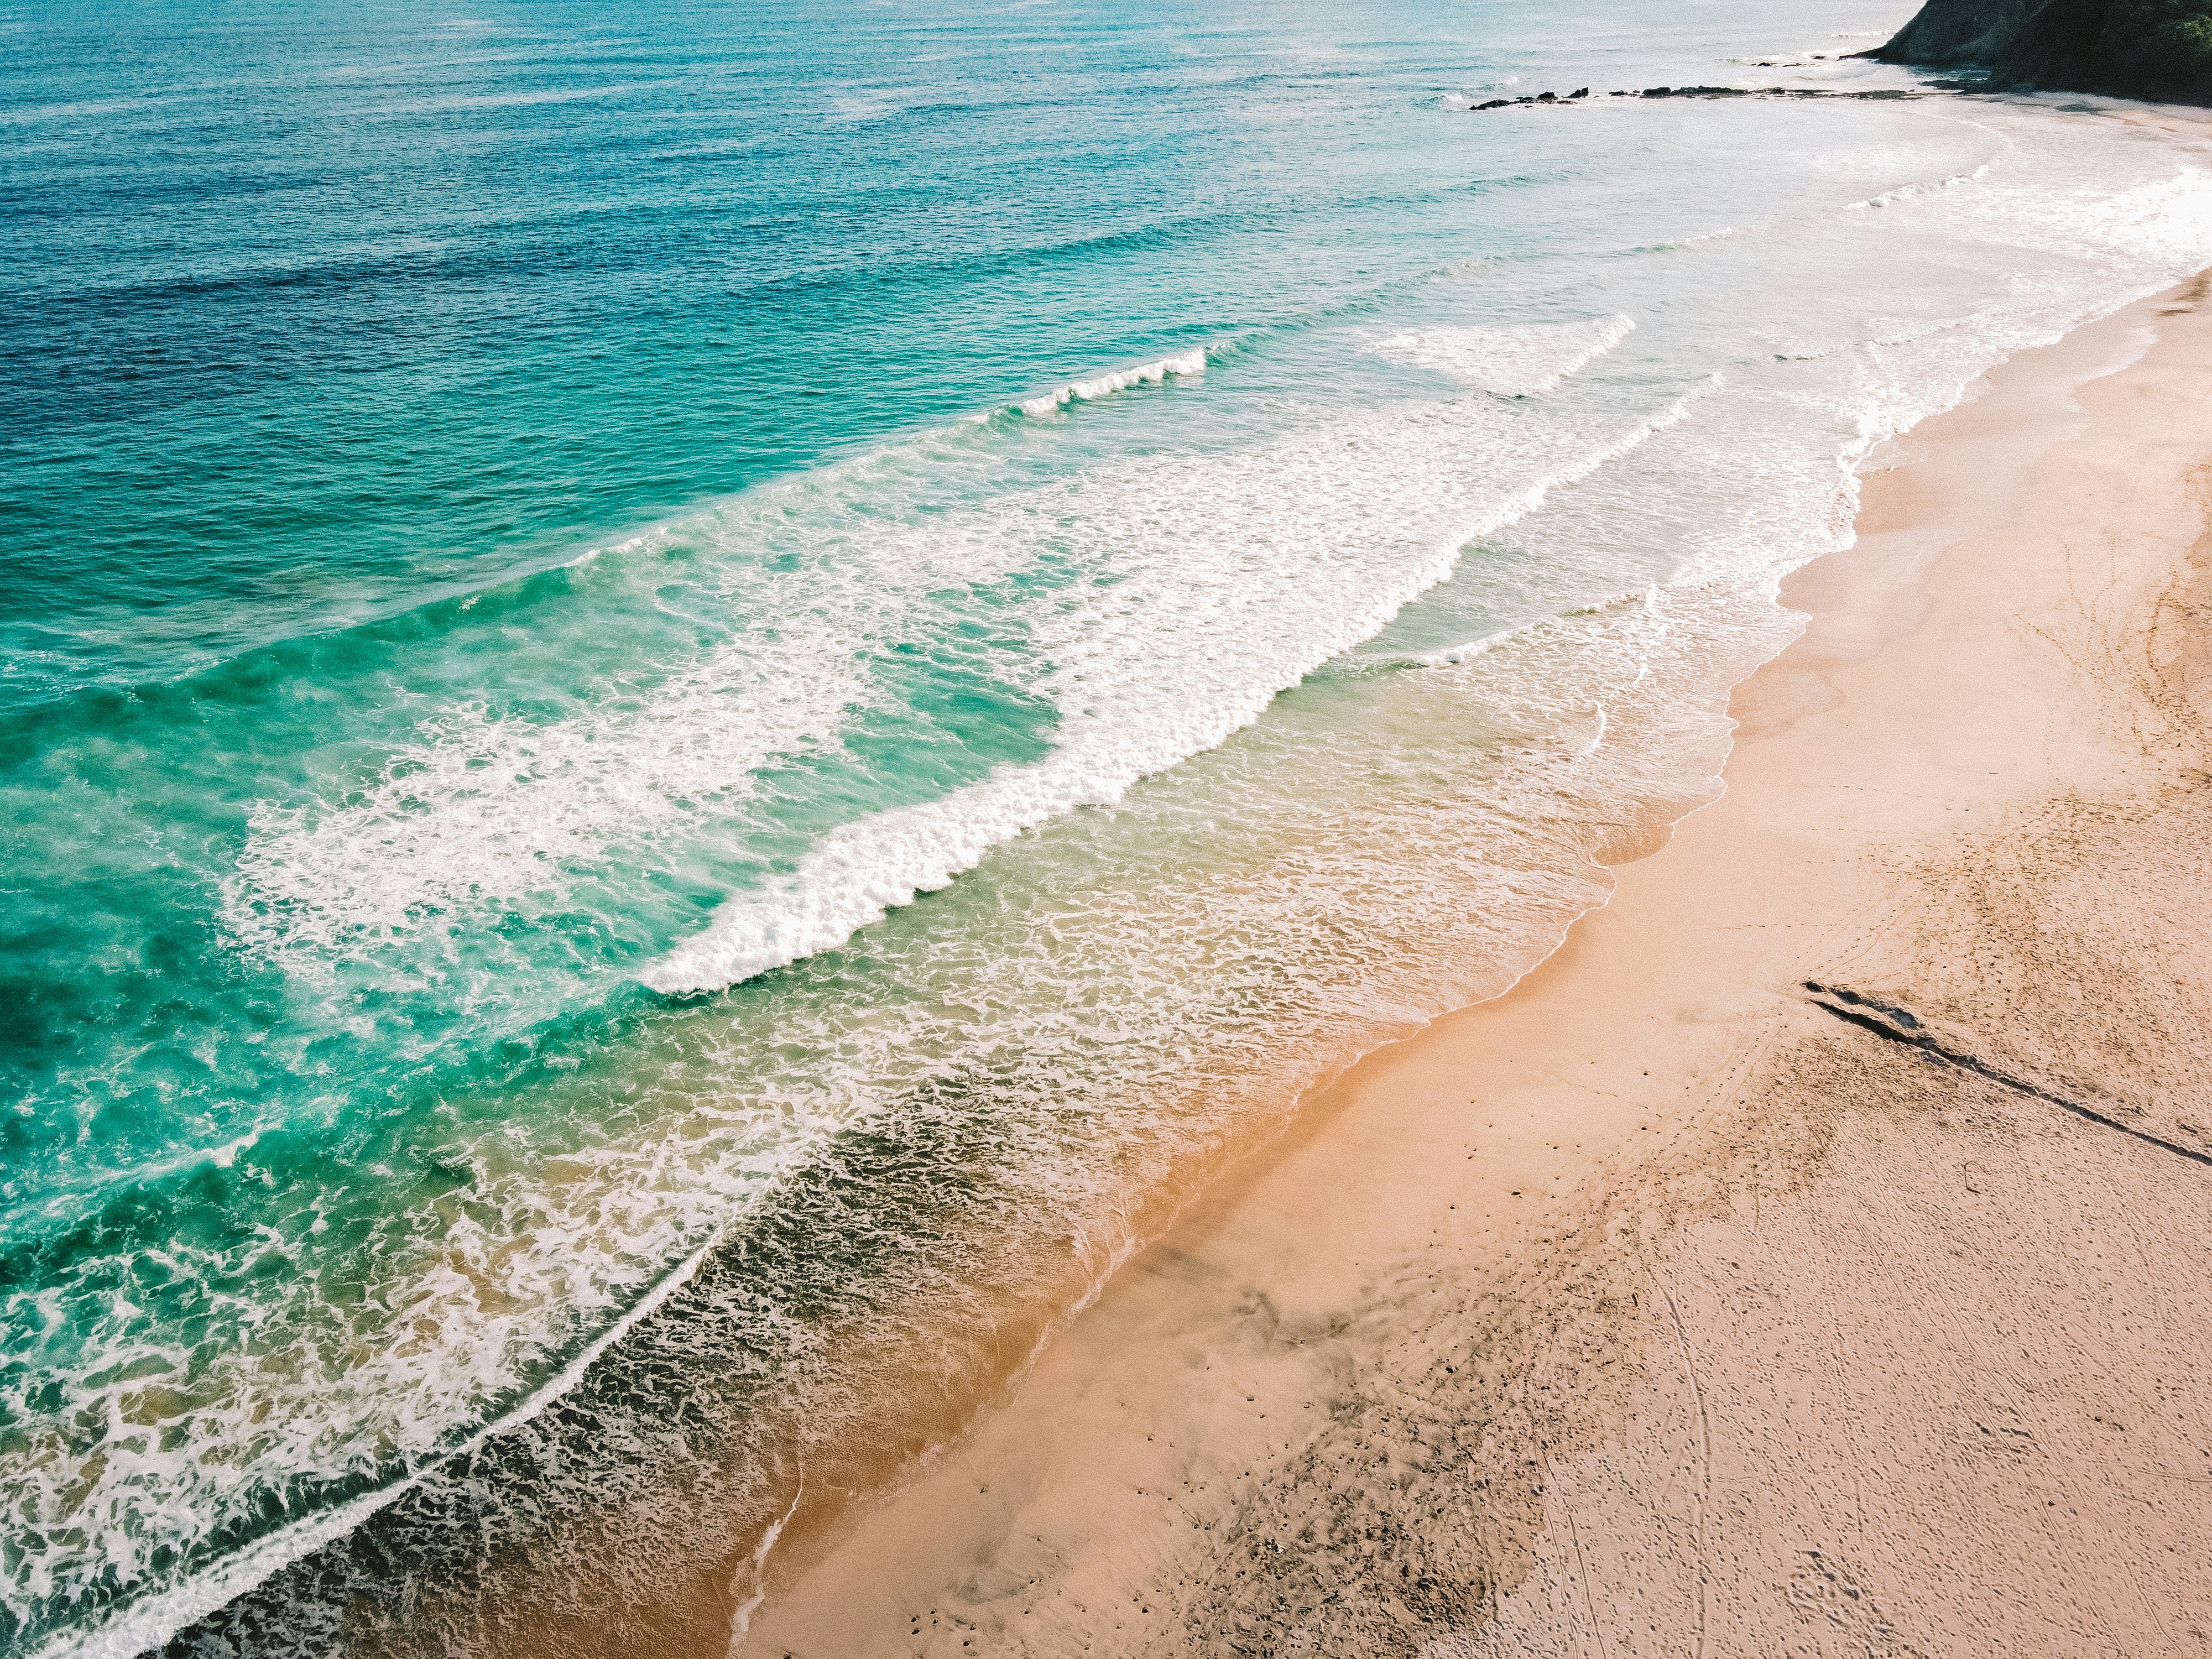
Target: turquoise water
(682,682)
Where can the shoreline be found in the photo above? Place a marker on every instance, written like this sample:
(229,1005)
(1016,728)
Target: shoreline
(1294,1418)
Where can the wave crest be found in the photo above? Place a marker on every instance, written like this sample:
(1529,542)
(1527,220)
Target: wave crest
(1119,380)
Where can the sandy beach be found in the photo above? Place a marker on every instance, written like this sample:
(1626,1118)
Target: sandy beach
(1668,1305)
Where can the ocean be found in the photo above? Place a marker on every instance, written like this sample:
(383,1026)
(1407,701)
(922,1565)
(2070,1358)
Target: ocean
(695,699)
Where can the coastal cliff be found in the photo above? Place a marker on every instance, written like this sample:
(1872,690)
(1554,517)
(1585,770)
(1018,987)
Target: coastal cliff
(1949,34)
(2154,49)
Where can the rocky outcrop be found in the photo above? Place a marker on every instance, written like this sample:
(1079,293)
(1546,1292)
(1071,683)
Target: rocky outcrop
(2155,49)
(1947,34)
(1552,100)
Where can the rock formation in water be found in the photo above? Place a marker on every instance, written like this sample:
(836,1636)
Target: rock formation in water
(2154,49)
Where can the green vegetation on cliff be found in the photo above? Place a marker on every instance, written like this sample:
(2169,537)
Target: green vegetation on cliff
(2154,49)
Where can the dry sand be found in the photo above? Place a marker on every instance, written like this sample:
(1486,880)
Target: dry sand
(1655,1308)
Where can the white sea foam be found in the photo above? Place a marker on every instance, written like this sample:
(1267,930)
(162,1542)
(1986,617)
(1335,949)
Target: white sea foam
(753,1577)
(1515,362)
(1452,656)
(1294,556)
(1925,187)
(150,1623)
(483,807)
(1120,380)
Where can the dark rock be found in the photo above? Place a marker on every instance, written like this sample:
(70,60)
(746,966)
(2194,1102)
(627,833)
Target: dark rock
(2155,49)
(1883,96)
(1946,32)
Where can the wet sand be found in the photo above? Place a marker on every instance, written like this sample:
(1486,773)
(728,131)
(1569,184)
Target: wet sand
(1665,1305)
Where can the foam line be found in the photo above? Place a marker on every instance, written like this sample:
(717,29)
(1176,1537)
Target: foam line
(1119,380)
(1513,362)
(481,808)
(1927,187)
(862,871)
(150,1623)
(1452,656)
